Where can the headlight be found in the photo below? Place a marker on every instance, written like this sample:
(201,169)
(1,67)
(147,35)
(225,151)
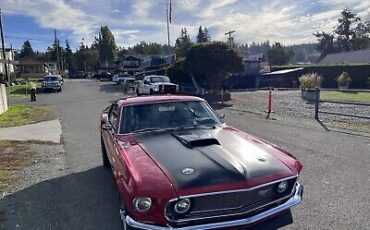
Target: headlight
(156,88)
(182,206)
(142,204)
(282,187)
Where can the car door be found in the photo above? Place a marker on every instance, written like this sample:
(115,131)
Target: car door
(110,134)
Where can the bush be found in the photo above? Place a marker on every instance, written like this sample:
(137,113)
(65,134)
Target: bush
(344,80)
(310,81)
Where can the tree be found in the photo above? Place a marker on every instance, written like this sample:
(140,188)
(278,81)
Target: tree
(207,36)
(183,43)
(68,58)
(326,43)
(144,48)
(345,30)
(86,59)
(26,50)
(277,55)
(107,45)
(212,62)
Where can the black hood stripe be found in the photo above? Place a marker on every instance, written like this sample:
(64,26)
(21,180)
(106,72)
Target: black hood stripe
(233,160)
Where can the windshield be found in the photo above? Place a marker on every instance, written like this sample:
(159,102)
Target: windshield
(51,79)
(167,115)
(159,79)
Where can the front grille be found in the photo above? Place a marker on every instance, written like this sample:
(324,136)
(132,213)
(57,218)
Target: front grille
(168,88)
(230,203)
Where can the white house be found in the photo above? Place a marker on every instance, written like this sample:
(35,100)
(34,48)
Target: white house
(9,54)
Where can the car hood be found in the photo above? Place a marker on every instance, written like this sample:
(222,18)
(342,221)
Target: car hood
(163,83)
(210,157)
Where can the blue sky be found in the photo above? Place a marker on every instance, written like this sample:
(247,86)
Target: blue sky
(286,21)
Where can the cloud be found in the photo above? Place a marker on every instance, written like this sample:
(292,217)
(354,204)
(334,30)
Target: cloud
(132,21)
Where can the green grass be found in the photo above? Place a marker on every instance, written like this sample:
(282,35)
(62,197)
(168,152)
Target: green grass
(25,114)
(346,96)
(18,91)
(359,127)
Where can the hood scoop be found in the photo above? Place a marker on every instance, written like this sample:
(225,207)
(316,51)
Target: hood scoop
(195,139)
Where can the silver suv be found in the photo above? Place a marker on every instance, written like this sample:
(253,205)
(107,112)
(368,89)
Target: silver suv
(52,82)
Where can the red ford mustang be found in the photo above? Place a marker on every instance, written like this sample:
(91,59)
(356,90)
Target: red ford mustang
(177,165)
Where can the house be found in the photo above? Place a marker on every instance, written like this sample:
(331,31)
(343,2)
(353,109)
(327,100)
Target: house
(287,78)
(352,57)
(29,67)
(138,66)
(9,57)
(250,77)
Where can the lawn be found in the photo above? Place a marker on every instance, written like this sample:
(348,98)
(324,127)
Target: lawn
(18,91)
(358,127)
(14,156)
(346,96)
(25,114)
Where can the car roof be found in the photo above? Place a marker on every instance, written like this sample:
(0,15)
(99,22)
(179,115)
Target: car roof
(156,99)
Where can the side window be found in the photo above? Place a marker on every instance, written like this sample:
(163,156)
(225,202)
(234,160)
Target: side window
(113,116)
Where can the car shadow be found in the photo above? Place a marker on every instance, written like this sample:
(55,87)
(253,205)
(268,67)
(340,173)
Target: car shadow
(110,88)
(85,200)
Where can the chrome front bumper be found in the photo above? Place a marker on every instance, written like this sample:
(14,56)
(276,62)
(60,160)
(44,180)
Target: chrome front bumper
(294,200)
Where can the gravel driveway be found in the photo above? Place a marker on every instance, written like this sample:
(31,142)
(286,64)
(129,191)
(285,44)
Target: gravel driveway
(335,175)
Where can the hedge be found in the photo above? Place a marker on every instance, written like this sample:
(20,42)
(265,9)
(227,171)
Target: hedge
(358,73)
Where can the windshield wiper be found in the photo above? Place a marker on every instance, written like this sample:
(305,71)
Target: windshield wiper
(151,130)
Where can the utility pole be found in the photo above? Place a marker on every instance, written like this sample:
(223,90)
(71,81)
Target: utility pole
(3,48)
(230,39)
(56,42)
(168,26)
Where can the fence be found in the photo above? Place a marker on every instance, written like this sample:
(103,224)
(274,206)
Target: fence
(318,111)
(3,99)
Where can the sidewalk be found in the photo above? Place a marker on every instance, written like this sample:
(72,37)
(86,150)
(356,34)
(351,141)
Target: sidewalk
(49,131)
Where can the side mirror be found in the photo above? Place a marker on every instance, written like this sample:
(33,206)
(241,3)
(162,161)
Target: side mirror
(106,126)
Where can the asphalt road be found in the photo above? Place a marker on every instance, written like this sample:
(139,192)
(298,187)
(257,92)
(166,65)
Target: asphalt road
(336,171)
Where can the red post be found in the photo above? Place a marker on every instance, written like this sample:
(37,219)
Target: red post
(270,101)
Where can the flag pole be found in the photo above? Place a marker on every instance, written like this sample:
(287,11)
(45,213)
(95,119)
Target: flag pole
(168,26)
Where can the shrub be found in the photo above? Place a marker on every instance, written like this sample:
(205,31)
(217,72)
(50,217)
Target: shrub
(344,79)
(310,81)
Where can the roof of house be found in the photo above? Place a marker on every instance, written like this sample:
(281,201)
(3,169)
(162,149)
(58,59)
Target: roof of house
(352,57)
(30,61)
(284,71)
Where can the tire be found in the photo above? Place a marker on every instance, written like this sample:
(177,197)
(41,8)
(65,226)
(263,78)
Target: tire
(60,90)
(137,92)
(106,162)
(151,92)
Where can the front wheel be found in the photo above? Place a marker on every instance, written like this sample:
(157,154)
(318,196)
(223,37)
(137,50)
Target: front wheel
(137,93)
(151,92)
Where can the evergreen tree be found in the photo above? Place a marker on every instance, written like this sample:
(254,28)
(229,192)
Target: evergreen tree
(68,57)
(183,43)
(26,50)
(200,36)
(107,45)
(207,36)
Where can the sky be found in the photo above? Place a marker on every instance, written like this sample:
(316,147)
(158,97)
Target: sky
(132,21)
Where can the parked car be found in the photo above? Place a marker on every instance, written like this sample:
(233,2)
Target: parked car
(177,165)
(156,84)
(118,78)
(52,83)
(105,76)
